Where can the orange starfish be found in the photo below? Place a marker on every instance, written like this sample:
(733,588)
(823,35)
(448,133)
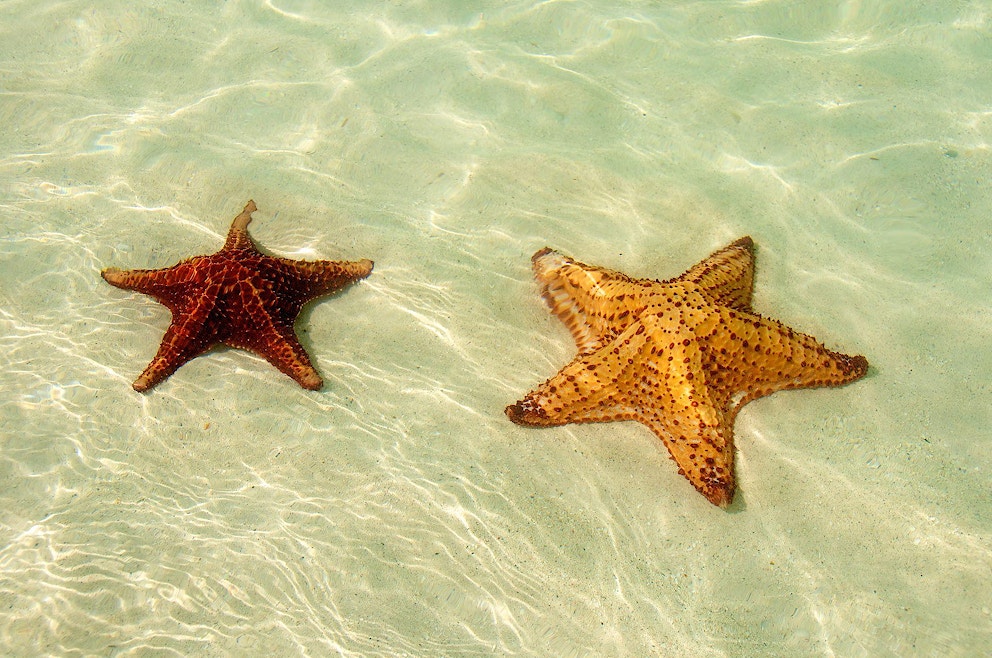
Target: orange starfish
(237,297)
(681,356)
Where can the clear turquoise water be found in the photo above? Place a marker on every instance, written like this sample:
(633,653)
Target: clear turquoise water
(398,512)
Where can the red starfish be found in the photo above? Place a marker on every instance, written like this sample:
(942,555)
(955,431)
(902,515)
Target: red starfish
(237,297)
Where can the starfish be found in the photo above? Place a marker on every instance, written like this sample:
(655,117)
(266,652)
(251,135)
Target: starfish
(237,297)
(681,356)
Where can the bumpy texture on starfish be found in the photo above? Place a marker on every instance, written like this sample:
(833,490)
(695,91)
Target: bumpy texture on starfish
(681,356)
(237,297)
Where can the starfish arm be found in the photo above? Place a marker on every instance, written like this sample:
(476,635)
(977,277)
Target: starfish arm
(683,411)
(144,281)
(589,389)
(595,303)
(282,348)
(187,337)
(237,236)
(703,450)
(726,278)
(168,286)
(273,338)
(311,279)
(756,356)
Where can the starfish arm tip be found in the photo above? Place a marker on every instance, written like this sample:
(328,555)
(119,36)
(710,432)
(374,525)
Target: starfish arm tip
(514,412)
(240,223)
(521,413)
(115,277)
(160,369)
(720,496)
(851,367)
(143,383)
(541,252)
(314,383)
(529,413)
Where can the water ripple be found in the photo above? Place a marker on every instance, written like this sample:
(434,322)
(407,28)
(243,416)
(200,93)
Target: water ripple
(397,511)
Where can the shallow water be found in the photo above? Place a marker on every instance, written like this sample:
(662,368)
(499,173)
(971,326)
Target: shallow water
(398,511)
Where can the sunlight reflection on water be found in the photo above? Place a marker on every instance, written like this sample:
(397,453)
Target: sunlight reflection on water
(397,511)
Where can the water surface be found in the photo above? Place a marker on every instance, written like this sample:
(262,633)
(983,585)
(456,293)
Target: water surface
(398,511)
